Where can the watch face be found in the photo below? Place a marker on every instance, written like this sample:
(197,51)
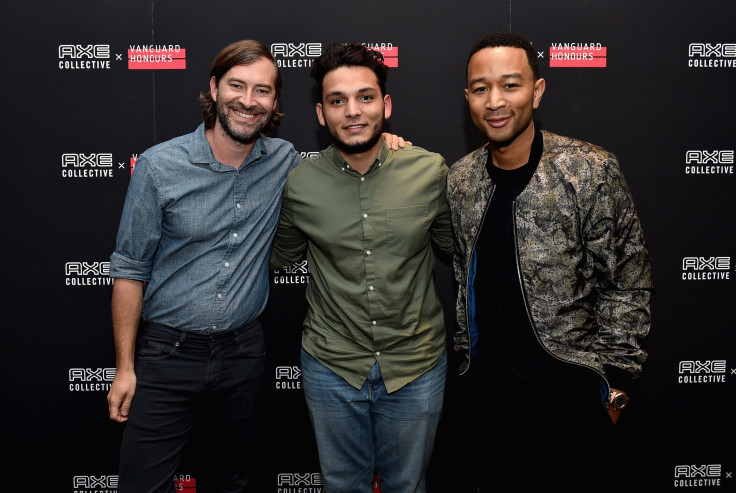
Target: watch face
(620,401)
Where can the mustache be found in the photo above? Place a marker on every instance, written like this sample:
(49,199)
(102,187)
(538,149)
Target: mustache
(255,109)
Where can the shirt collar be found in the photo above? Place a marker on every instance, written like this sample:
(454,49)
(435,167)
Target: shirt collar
(333,156)
(200,150)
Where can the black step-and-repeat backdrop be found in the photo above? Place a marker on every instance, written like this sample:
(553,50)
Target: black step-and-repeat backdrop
(91,84)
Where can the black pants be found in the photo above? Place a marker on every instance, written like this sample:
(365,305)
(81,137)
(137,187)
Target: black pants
(181,376)
(533,438)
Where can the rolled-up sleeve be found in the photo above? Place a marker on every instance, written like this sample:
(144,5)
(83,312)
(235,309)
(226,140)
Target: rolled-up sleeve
(139,233)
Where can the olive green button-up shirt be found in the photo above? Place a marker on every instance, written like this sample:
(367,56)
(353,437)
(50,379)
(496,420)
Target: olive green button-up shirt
(367,240)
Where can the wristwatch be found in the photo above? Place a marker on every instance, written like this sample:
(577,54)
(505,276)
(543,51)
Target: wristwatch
(617,400)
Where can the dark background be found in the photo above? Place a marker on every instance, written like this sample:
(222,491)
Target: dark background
(647,105)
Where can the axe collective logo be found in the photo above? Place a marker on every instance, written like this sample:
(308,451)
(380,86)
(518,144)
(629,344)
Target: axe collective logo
(287,482)
(707,55)
(288,378)
(87,274)
(295,55)
(706,268)
(84,57)
(92,165)
(297,273)
(716,162)
(90,379)
(699,475)
(95,484)
(707,371)
(589,55)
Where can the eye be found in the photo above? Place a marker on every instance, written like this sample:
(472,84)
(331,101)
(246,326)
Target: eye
(366,98)
(480,89)
(336,101)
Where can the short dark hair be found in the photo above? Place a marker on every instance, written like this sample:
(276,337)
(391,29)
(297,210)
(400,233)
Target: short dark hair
(244,52)
(507,39)
(338,55)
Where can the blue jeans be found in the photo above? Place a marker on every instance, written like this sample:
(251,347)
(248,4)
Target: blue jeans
(360,432)
(183,378)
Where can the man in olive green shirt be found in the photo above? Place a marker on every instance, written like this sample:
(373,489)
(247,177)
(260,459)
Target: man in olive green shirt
(373,346)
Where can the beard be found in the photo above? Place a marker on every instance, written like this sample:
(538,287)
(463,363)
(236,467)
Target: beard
(356,147)
(242,133)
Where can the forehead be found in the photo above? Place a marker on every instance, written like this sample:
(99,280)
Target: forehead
(348,79)
(260,72)
(499,60)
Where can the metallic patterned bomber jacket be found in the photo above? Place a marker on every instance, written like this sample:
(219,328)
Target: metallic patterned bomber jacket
(581,254)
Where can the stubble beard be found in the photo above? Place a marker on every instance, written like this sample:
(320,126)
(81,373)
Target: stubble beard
(238,135)
(358,147)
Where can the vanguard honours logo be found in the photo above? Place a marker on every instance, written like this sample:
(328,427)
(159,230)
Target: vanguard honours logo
(389,51)
(577,55)
(151,57)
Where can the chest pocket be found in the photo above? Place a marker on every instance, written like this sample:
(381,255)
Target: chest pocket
(407,229)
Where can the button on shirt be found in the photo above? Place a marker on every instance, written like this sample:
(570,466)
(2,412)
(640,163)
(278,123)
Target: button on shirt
(367,240)
(198,232)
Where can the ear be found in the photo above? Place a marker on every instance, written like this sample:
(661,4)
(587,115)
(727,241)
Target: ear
(539,87)
(386,106)
(466,94)
(213,88)
(320,116)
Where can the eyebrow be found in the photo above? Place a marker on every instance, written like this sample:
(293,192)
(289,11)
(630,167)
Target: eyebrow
(359,91)
(513,75)
(241,81)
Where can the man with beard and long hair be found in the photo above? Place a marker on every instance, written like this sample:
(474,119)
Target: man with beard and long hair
(191,280)
(555,286)
(373,347)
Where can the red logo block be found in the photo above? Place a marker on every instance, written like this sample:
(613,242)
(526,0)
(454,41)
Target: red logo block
(390,55)
(186,484)
(577,57)
(157,59)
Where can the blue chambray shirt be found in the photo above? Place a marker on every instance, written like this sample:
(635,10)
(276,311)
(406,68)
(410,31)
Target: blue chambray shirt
(199,232)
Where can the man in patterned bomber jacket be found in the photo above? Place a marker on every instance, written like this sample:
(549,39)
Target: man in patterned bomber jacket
(555,284)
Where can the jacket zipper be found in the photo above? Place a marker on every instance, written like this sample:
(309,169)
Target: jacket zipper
(528,311)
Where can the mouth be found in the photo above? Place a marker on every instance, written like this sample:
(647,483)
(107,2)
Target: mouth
(357,126)
(247,115)
(498,122)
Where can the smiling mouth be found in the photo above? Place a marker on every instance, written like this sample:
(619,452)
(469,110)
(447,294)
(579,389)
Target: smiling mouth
(247,116)
(498,122)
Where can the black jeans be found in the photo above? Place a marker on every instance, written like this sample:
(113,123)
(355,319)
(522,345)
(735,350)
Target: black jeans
(183,376)
(515,437)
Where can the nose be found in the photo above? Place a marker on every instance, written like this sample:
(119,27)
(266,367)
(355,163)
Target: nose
(247,99)
(352,108)
(495,100)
